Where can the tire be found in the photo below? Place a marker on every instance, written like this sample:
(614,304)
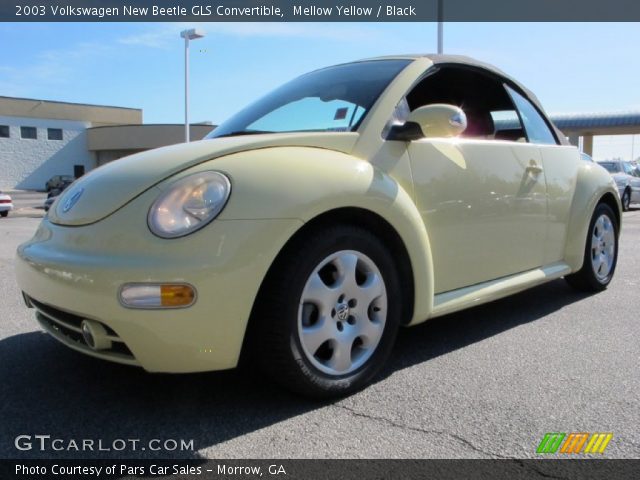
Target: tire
(4,214)
(601,252)
(626,200)
(326,319)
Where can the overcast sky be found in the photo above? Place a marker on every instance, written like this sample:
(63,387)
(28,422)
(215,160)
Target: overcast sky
(571,67)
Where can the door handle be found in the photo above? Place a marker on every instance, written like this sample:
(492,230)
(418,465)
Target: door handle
(534,168)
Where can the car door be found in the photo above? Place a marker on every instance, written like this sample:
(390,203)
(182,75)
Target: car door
(484,206)
(561,165)
(483,200)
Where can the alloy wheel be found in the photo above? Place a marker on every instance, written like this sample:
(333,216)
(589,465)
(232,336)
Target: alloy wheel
(342,312)
(603,244)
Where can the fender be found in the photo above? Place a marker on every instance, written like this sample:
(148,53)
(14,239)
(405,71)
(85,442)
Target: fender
(304,182)
(593,182)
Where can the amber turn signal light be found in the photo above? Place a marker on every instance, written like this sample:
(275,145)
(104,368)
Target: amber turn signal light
(158,295)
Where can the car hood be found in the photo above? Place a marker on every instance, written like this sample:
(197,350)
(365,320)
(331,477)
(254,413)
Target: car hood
(110,187)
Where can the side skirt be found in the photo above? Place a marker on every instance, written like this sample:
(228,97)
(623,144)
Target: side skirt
(454,300)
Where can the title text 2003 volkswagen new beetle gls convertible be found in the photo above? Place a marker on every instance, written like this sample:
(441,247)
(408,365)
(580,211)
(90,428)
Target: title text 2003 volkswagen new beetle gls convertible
(311,225)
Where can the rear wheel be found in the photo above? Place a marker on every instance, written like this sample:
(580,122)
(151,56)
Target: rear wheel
(601,252)
(5,213)
(328,318)
(626,200)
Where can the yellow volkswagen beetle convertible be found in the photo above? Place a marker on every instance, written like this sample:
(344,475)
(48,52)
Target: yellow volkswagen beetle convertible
(305,230)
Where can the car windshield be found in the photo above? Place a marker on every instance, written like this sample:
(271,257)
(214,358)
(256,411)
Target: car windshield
(612,167)
(333,99)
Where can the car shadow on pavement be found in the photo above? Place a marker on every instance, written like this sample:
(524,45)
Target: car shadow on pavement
(457,330)
(49,389)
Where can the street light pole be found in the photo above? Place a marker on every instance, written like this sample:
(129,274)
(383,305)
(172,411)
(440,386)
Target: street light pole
(186,90)
(191,34)
(440,27)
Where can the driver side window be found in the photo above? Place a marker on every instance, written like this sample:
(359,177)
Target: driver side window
(537,129)
(494,110)
(491,114)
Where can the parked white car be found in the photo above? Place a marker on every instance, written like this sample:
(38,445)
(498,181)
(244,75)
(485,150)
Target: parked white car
(627,179)
(6,204)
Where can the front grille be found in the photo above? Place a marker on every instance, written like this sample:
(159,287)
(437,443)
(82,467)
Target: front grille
(66,327)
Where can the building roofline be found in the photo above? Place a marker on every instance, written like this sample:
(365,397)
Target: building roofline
(68,103)
(603,114)
(600,123)
(152,125)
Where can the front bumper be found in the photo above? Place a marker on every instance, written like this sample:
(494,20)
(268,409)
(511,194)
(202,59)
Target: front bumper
(73,273)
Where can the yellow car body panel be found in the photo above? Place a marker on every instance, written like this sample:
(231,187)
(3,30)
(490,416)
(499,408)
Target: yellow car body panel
(79,259)
(60,267)
(126,180)
(486,215)
(321,181)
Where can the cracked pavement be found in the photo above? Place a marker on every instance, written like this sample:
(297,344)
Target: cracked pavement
(485,383)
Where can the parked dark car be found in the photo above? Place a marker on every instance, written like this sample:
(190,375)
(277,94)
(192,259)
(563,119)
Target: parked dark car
(48,202)
(53,194)
(57,181)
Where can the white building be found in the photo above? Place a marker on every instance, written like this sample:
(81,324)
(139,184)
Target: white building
(33,150)
(40,139)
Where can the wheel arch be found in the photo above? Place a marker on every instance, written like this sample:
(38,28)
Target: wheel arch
(410,273)
(375,224)
(321,184)
(594,186)
(610,199)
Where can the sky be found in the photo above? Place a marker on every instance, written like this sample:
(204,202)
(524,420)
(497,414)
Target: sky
(571,67)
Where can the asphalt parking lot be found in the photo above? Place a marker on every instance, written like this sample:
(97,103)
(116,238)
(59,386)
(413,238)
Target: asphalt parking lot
(484,383)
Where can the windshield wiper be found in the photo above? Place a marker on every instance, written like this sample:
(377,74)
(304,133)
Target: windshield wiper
(243,132)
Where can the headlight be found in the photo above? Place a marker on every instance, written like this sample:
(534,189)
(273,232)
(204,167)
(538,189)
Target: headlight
(189,204)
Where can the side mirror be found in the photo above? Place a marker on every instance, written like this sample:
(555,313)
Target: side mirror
(437,120)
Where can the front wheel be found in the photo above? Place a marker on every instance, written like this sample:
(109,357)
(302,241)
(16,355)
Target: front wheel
(601,252)
(329,316)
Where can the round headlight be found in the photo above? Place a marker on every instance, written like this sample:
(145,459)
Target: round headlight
(189,204)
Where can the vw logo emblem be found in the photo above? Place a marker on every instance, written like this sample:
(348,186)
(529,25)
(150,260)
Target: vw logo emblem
(72,200)
(342,311)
